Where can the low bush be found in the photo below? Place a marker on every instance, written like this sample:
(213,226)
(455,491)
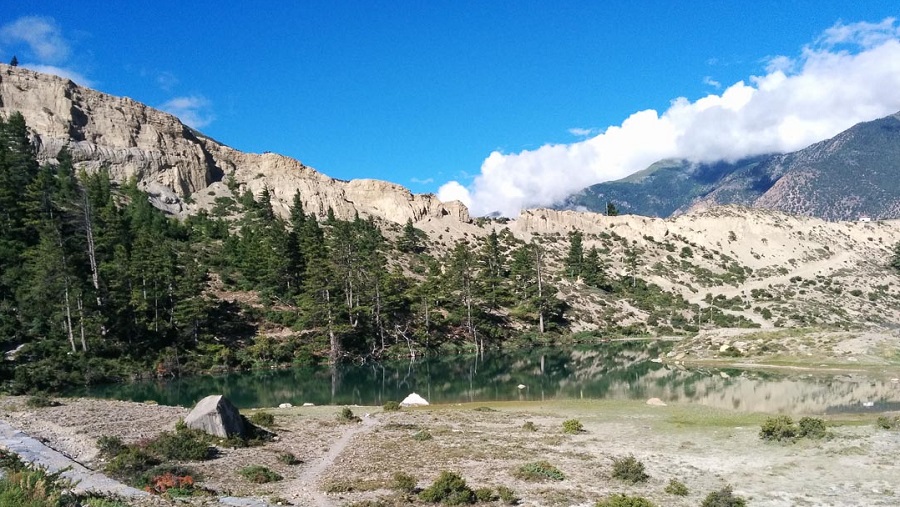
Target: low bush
(572,426)
(629,469)
(449,488)
(172,481)
(130,465)
(347,415)
(41,400)
(812,427)
(484,495)
(182,445)
(625,501)
(35,488)
(421,436)
(288,458)
(259,474)
(778,428)
(507,495)
(539,471)
(404,482)
(677,488)
(529,426)
(723,498)
(264,419)
(391,406)
(110,447)
(887,423)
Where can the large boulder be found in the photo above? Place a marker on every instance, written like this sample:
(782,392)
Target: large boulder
(217,416)
(413,400)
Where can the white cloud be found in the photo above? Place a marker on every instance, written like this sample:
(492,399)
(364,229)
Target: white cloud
(166,80)
(41,34)
(425,181)
(580,132)
(61,72)
(194,111)
(849,74)
(708,80)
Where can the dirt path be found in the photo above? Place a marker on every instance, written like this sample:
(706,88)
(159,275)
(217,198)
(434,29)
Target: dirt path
(305,489)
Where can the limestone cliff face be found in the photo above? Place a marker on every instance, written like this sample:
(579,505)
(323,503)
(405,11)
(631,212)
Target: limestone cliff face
(172,161)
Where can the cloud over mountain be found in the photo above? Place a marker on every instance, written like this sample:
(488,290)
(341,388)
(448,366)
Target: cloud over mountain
(849,74)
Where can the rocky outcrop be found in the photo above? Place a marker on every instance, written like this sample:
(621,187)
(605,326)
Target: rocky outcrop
(216,416)
(173,162)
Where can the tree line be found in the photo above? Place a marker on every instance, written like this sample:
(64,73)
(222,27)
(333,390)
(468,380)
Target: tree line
(97,285)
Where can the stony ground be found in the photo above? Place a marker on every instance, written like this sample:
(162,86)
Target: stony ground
(345,463)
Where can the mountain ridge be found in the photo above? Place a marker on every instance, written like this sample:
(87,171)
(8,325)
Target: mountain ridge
(183,169)
(853,174)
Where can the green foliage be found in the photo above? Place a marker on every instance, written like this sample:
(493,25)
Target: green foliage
(449,488)
(41,400)
(110,446)
(288,458)
(35,488)
(262,419)
(779,428)
(888,423)
(621,500)
(723,498)
(629,469)
(259,474)
(346,415)
(677,488)
(572,426)
(185,445)
(507,495)
(895,258)
(484,495)
(404,482)
(811,427)
(539,471)
(391,406)
(421,436)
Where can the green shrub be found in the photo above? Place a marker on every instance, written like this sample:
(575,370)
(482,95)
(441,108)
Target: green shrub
(572,426)
(778,428)
(347,415)
(484,495)
(35,488)
(404,482)
(625,501)
(262,419)
(422,436)
(723,498)
(391,406)
(184,445)
(110,447)
(507,495)
(539,471)
(259,474)
(529,426)
(130,465)
(887,423)
(288,458)
(677,488)
(41,400)
(449,488)
(629,469)
(484,409)
(812,427)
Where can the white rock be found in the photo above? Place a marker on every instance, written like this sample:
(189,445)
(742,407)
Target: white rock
(308,404)
(413,400)
(285,405)
(656,402)
(521,386)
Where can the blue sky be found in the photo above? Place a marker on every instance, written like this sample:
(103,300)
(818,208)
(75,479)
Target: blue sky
(517,103)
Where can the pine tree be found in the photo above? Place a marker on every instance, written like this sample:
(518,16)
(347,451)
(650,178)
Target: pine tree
(14,62)
(574,261)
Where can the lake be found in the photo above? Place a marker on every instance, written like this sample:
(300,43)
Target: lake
(616,370)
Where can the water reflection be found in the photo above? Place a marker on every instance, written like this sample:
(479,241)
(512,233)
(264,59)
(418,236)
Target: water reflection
(611,371)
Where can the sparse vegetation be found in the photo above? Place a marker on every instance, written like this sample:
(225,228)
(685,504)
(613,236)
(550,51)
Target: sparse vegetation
(539,471)
(262,418)
(346,415)
(391,406)
(529,426)
(811,427)
(621,500)
(779,428)
(259,474)
(677,488)
(288,458)
(404,482)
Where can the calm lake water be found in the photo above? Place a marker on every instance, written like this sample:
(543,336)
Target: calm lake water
(619,370)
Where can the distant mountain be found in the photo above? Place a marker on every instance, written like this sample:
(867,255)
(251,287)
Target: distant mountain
(856,173)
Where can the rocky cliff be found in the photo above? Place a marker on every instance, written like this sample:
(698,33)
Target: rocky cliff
(181,168)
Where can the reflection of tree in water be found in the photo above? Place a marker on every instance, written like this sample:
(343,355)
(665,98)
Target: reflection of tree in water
(609,370)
